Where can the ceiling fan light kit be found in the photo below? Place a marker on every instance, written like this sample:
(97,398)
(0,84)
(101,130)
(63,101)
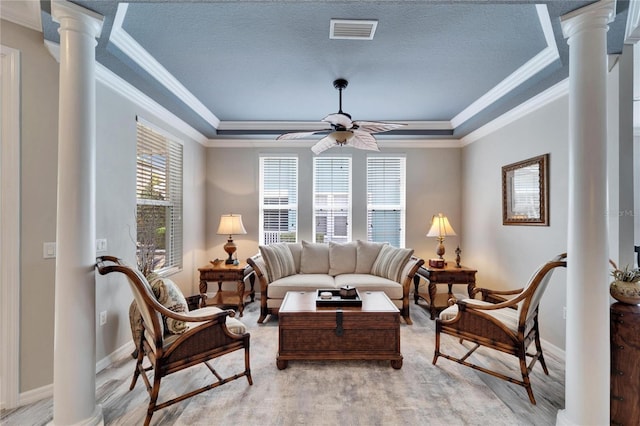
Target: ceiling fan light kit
(344,131)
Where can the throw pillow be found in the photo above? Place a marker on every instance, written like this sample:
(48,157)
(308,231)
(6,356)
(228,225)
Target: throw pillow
(296,251)
(279,260)
(170,296)
(315,258)
(390,262)
(366,254)
(342,258)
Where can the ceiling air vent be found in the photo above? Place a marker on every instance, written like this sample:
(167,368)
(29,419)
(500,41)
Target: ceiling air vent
(351,29)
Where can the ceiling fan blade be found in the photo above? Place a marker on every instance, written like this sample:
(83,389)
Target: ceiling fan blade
(377,126)
(299,135)
(363,140)
(323,145)
(338,119)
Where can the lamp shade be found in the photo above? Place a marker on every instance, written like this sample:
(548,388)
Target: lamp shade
(440,227)
(231,224)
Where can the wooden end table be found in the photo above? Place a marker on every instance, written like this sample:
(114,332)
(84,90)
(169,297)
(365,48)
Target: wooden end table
(308,332)
(221,272)
(448,275)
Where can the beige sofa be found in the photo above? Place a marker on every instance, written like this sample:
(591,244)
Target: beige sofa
(309,266)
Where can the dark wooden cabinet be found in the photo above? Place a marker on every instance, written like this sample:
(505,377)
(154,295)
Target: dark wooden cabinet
(625,364)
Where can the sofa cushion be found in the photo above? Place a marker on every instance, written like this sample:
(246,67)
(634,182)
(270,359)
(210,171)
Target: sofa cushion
(170,296)
(300,282)
(368,282)
(342,258)
(366,254)
(390,262)
(296,252)
(314,258)
(279,260)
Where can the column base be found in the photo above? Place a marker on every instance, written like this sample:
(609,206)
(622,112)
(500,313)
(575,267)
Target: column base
(563,420)
(96,419)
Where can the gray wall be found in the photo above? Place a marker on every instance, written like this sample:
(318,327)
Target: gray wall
(506,256)
(115,206)
(433,186)
(38,174)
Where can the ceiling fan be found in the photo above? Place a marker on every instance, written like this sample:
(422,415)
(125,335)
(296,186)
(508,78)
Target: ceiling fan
(344,131)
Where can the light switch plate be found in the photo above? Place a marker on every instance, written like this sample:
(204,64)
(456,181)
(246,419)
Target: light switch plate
(49,250)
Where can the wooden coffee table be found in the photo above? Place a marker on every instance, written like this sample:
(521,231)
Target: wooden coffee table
(307,332)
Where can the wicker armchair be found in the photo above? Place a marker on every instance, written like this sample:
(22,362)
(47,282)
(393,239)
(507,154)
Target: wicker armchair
(506,325)
(207,336)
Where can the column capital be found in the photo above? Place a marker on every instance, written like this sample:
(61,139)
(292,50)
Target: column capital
(595,15)
(76,18)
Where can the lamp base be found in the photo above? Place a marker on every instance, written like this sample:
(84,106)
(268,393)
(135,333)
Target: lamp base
(230,248)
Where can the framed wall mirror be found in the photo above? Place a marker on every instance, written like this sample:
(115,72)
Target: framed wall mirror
(525,192)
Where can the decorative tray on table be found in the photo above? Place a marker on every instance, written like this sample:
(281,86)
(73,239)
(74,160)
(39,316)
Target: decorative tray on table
(332,297)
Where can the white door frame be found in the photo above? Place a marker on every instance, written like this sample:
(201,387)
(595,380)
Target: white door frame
(10,226)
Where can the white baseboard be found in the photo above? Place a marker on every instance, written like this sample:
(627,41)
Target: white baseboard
(35,395)
(553,349)
(46,391)
(122,352)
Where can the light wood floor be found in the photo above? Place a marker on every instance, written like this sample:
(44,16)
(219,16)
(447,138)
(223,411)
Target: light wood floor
(333,393)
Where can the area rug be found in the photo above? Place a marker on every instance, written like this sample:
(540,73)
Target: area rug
(340,392)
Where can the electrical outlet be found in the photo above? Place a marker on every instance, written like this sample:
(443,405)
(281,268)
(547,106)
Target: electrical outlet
(564,312)
(101,245)
(103,317)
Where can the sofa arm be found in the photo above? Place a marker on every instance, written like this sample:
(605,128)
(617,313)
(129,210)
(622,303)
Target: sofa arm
(259,267)
(409,272)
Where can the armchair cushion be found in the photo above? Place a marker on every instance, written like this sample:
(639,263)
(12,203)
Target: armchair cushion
(342,258)
(279,260)
(507,316)
(315,258)
(390,262)
(235,326)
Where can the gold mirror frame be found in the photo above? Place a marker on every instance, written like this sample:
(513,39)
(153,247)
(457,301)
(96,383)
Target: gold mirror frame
(525,192)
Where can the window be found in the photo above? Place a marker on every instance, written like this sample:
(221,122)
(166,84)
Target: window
(386,199)
(332,199)
(278,199)
(159,201)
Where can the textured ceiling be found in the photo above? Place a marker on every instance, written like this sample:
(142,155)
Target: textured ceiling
(247,64)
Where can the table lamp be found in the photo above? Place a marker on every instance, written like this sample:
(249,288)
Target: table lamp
(440,228)
(231,224)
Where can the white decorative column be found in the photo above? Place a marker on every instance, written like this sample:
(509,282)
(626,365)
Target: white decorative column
(74,363)
(587,359)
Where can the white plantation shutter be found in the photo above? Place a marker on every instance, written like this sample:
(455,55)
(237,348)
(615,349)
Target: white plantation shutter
(278,199)
(386,195)
(332,199)
(159,198)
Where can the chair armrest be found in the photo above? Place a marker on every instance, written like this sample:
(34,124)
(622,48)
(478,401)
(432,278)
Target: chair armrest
(495,296)
(201,318)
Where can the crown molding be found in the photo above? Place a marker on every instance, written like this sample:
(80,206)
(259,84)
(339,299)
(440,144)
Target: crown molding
(306,143)
(25,13)
(127,44)
(318,125)
(533,66)
(538,101)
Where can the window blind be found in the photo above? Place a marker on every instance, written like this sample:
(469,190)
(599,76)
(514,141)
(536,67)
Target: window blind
(278,199)
(159,201)
(386,182)
(332,199)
